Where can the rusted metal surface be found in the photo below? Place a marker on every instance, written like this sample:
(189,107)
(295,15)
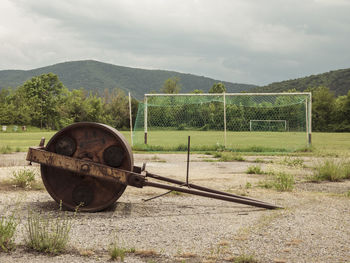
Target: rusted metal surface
(91,164)
(87,142)
(83,167)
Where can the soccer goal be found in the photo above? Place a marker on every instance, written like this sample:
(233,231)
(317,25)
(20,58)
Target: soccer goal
(280,121)
(268,125)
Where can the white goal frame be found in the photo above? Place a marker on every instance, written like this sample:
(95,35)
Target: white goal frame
(284,121)
(308,107)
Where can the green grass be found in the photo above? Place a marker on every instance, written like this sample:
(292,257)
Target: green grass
(23,140)
(257,142)
(332,170)
(23,178)
(279,181)
(117,253)
(20,141)
(6,149)
(8,227)
(284,182)
(294,162)
(47,233)
(244,259)
(254,169)
(229,156)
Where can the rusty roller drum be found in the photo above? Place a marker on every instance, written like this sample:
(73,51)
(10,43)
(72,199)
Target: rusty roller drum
(94,142)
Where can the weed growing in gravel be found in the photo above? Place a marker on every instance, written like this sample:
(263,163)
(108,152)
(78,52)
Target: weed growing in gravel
(268,184)
(23,178)
(48,234)
(229,157)
(346,168)
(296,162)
(243,259)
(6,149)
(280,181)
(254,169)
(116,252)
(8,227)
(284,182)
(248,185)
(332,170)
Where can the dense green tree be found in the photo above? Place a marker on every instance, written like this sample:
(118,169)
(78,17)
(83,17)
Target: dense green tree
(197,91)
(117,109)
(342,113)
(323,103)
(43,94)
(80,106)
(171,86)
(217,88)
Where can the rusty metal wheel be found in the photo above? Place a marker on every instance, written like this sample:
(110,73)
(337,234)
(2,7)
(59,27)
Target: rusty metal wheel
(90,141)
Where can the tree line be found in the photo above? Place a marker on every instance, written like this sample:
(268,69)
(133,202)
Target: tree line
(43,101)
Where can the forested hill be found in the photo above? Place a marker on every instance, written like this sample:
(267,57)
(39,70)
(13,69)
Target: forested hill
(337,81)
(97,76)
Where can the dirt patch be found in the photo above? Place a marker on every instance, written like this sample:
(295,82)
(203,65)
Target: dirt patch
(313,227)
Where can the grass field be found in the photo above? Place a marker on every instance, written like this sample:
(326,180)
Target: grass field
(20,141)
(238,141)
(338,143)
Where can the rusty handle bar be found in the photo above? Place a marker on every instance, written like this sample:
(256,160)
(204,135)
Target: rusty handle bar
(200,188)
(211,195)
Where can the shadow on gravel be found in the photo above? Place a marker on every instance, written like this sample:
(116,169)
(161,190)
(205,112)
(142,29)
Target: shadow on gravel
(152,210)
(325,187)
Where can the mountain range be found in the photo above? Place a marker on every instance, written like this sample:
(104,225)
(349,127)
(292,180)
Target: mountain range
(338,81)
(97,76)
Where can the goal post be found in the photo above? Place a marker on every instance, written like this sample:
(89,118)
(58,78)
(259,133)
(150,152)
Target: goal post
(223,119)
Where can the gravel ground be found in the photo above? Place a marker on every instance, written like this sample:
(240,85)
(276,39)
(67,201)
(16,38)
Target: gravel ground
(313,227)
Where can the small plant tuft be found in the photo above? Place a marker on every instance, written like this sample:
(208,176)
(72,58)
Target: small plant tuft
(332,170)
(243,259)
(280,181)
(6,149)
(296,162)
(116,252)
(8,227)
(23,178)
(46,233)
(284,182)
(254,169)
(229,157)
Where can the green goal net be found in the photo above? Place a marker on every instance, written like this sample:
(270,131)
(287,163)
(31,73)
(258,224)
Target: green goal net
(235,121)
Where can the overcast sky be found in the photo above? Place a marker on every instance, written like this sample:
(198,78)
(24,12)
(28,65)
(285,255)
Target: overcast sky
(245,41)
